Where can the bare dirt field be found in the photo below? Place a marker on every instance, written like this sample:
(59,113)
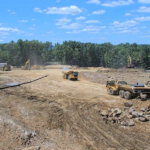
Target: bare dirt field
(58,114)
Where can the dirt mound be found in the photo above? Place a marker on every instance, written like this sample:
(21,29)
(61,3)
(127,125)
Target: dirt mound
(106,70)
(102,77)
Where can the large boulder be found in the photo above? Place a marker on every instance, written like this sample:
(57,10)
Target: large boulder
(135,114)
(117,111)
(142,119)
(128,104)
(130,123)
(104,112)
(131,110)
(143,109)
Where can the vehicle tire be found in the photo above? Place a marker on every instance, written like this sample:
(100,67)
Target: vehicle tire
(69,78)
(127,95)
(111,91)
(66,77)
(121,93)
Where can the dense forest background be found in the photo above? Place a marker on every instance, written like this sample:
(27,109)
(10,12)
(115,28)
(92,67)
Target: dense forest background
(75,53)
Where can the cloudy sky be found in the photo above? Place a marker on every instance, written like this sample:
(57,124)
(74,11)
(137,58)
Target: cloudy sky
(96,21)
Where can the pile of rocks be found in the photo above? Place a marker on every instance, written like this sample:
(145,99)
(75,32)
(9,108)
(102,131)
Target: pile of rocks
(127,116)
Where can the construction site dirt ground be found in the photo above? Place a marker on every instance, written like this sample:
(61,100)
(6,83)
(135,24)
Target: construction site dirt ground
(58,114)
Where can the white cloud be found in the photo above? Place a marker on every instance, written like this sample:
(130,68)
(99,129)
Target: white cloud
(50,32)
(127,14)
(63,21)
(58,1)
(5,29)
(33,25)
(73,10)
(38,10)
(4,33)
(71,26)
(92,28)
(31,28)
(129,31)
(33,19)
(94,1)
(92,21)
(144,1)
(89,29)
(9,10)
(74,31)
(99,12)
(148,36)
(80,18)
(143,27)
(144,9)
(23,21)
(117,3)
(142,18)
(13,13)
(125,24)
(29,34)
(133,31)
(1,40)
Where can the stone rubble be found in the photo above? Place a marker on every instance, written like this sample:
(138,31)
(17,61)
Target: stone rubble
(127,116)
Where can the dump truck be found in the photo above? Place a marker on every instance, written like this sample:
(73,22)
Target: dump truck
(71,75)
(128,91)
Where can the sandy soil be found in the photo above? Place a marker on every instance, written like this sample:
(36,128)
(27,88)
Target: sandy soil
(59,114)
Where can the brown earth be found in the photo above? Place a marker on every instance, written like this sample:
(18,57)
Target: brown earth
(58,114)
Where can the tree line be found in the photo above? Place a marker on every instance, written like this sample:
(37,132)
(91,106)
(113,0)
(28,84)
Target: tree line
(75,53)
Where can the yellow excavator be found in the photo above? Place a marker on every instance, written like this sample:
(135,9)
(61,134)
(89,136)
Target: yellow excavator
(27,65)
(130,65)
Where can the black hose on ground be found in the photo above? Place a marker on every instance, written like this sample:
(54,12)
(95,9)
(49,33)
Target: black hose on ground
(23,83)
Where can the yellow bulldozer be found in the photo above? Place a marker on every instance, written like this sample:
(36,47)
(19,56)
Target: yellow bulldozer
(27,65)
(71,75)
(36,67)
(7,68)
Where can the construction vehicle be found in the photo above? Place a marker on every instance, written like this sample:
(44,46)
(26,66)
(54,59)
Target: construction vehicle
(127,91)
(36,67)
(71,75)
(6,68)
(130,65)
(27,65)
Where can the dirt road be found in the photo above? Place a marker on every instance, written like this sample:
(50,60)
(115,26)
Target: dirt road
(60,114)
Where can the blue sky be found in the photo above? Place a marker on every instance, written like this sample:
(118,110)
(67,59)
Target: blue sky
(96,21)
